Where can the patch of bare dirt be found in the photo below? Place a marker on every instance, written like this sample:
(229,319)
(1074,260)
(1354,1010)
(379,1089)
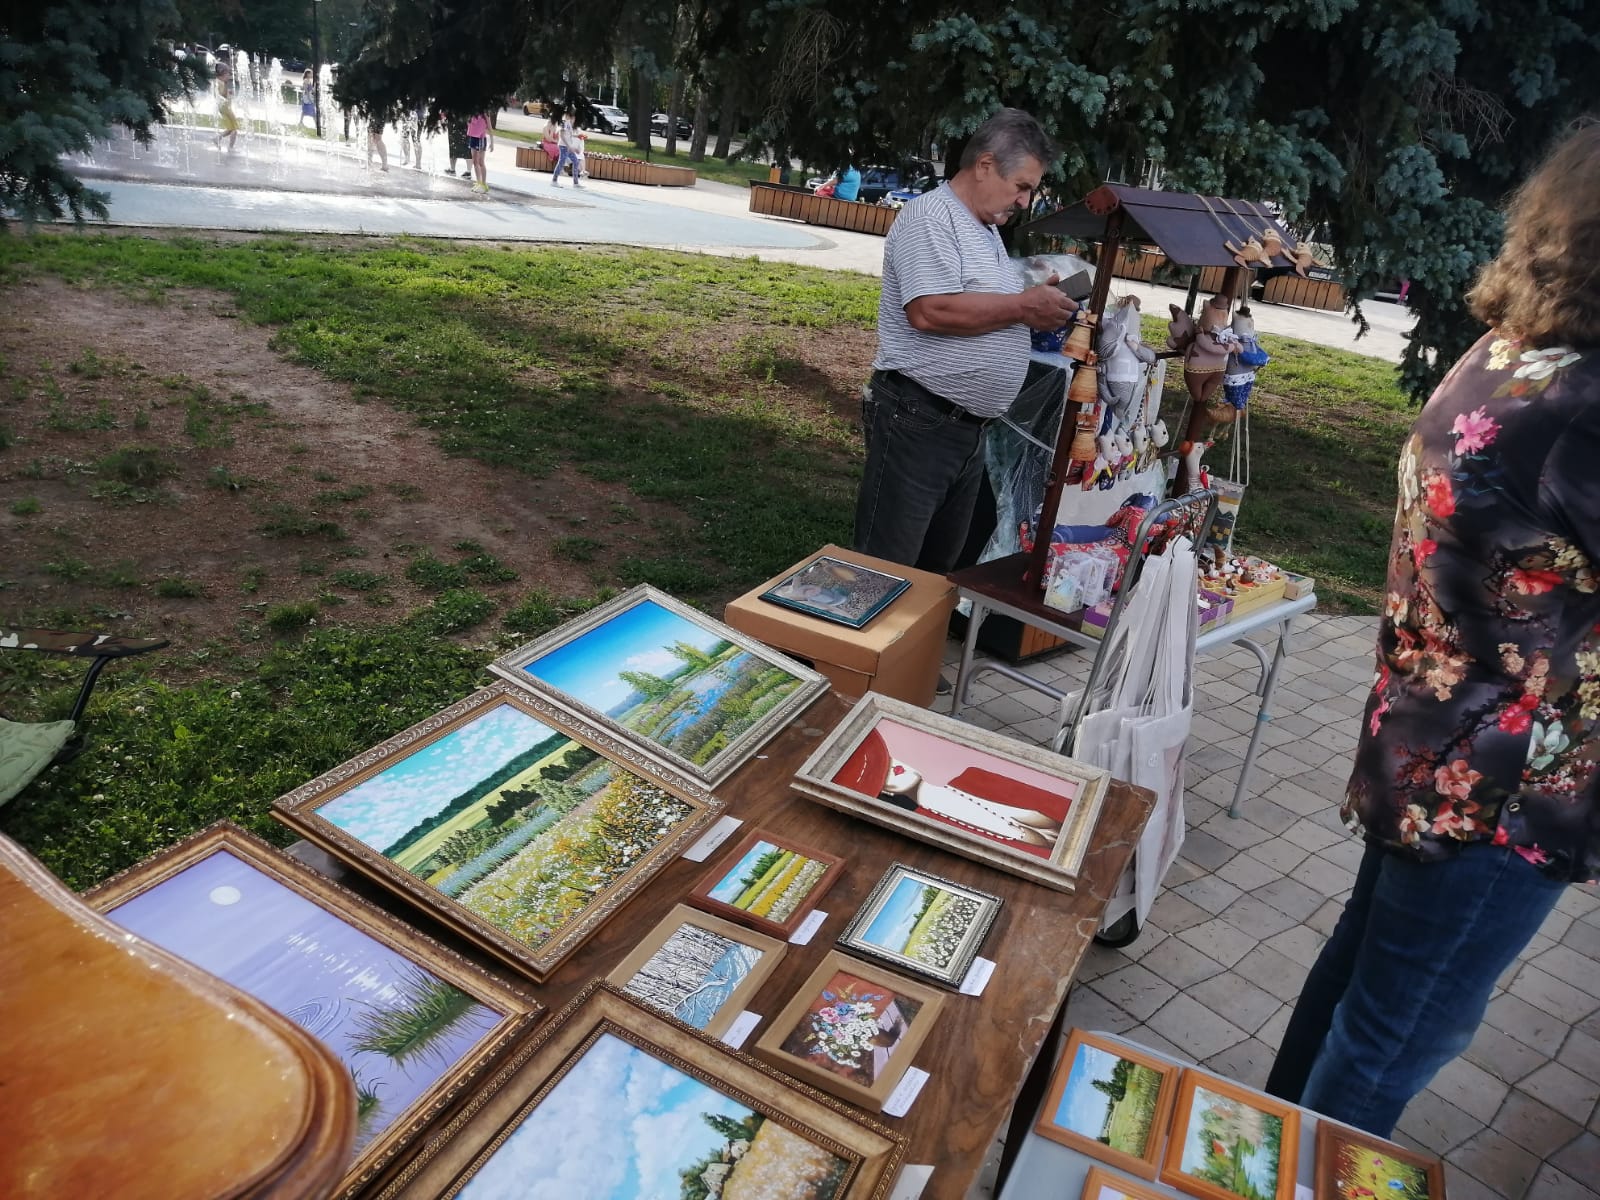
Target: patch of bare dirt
(156,449)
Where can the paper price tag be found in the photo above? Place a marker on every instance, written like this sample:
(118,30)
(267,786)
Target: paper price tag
(712,838)
(808,928)
(913,1178)
(1302,1192)
(739,1032)
(905,1093)
(977,977)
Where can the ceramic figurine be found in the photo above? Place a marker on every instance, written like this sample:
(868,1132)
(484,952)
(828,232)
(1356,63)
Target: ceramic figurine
(1252,253)
(1123,360)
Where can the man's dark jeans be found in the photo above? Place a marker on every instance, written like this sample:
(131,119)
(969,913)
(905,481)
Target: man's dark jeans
(924,470)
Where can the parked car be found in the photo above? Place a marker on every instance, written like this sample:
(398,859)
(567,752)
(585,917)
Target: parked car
(658,125)
(917,176)
(608,118)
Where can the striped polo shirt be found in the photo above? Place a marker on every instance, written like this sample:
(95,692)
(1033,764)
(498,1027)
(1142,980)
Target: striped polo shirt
(937,247)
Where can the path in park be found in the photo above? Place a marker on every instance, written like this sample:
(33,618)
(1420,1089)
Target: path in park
(292,184)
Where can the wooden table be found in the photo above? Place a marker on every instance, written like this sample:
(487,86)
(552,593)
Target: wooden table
(983,1048)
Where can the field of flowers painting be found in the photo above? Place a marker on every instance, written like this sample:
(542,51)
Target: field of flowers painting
(633,1126)
(769,881)
(923,922)
(518,822)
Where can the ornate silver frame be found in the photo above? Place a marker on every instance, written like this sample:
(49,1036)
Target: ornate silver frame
(1059,871)
(512,667)
(298,810)
(960,963)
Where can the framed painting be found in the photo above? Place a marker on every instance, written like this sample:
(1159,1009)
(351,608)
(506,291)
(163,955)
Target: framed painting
(839,591)
(767,882)
(851,1029)
(1101,1184)
(1351,1165)
(414,1024)
(507,819)
(922,923)
(1016,807)
(1230,1143)
(1110,1101)
(701,969)
(693,692)
(643,1105)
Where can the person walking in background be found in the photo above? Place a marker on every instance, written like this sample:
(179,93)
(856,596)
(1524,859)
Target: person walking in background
(375,145)
(953,346)
(849,185)
(1477,774)
(308,99)
(567,144)
(456,138)
(411,123)
(227,120)
(480,140)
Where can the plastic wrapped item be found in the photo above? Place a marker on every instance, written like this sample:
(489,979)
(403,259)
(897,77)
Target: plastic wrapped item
(1074,273)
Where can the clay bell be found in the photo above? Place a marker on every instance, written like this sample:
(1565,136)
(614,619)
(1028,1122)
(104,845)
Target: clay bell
(1080,342)
(1085,387)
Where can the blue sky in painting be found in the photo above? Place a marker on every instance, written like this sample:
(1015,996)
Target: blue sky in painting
(382,808)
(729,886)
(225,915)
(1083,1108)
(626,1124)
(587,667)
(895,920)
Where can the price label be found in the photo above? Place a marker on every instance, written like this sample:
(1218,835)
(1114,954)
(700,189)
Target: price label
(977,977)
(808,928)
(905,1093)
(739,1032)
(712,838)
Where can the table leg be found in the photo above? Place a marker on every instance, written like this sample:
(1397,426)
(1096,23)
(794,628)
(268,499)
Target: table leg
(1269,681)
(958,699)
(1031,1095)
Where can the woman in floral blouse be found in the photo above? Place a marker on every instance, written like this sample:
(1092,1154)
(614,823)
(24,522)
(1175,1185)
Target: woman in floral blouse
(1475,780)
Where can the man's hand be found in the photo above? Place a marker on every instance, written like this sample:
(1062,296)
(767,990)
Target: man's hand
(1046,307)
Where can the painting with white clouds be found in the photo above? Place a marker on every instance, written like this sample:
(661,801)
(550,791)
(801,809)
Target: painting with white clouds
(632,1127)
(397,1027)
(695,691)
(504,819)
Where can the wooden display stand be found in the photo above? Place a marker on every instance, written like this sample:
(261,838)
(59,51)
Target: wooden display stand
(897,653)
(618,170)
(797,204)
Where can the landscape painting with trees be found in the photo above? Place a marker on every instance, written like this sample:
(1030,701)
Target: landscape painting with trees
(693,974)
(1233,1145)
(516,821)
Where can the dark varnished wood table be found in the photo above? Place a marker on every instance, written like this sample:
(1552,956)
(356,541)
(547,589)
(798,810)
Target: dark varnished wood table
(983,1048)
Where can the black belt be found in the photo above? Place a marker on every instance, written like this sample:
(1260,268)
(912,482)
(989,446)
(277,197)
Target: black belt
(949,407)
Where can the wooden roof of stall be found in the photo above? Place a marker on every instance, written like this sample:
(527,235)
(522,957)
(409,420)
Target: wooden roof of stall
(1189,229)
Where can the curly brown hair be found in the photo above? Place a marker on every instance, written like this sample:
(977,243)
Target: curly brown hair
(1544,286)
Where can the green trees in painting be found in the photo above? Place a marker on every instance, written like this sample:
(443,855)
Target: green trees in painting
(1237,1143)
(426,1011)
(702,1180)
(650,686)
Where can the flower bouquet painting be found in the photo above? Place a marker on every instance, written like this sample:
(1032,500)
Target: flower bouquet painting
(852,1029)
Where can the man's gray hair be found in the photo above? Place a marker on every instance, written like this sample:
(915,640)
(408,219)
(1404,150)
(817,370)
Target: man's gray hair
(1011,135)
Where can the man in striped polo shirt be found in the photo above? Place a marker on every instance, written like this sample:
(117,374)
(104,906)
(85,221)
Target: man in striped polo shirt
(953,346)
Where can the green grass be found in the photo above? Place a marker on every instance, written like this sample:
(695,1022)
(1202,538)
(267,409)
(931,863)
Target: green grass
(177,588)
(28,506)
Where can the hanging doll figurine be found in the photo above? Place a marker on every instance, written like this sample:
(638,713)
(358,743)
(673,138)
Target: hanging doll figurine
(1240,377)
(1123,361)
(1206,344)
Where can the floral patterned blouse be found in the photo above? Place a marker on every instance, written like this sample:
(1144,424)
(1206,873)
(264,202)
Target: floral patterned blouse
(1482,720)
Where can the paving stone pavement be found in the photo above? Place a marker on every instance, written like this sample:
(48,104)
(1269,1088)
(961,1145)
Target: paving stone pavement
(1214,973)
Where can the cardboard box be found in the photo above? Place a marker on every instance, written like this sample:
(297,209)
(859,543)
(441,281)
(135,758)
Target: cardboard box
(1295,586)
(897,653)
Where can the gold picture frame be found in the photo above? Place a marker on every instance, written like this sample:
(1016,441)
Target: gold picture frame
(506,899)
(1049,802)
(567,1075)
(580,666)
(1087,1078)
(808,1040)
(695,987)
(1208,1134)
(248,913)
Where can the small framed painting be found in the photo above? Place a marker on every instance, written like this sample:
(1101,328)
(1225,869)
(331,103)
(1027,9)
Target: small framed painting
(510,820)
(922,923)
(768,882)
(1101,1184)
(1230,1143)
(413,1023)
(986,797)
(695,693)
(851,1029)
(1352,1165)
(699,968)
(612,1101)
(835,590)
(1110,1101)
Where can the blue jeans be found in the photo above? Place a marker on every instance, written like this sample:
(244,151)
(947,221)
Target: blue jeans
(1400,987)
(924,469)
(563,157)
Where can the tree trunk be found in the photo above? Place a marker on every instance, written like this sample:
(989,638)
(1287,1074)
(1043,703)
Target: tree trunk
(702,125)
(674,103)
(639,93)
(725,121)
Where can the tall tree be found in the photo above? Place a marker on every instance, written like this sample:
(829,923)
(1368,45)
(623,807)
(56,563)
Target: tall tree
(71,72)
